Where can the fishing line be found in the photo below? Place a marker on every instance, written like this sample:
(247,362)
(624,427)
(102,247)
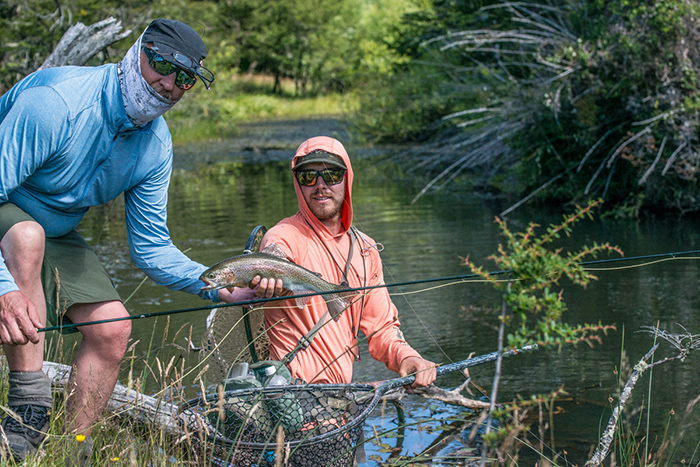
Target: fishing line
(428,289)
(415,313)
(587,269)
(459,279)
(640,265)
(632,258)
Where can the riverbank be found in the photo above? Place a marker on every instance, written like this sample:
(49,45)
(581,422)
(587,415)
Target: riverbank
(260,141)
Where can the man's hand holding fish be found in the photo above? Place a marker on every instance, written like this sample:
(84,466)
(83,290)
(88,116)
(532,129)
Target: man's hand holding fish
(260,287)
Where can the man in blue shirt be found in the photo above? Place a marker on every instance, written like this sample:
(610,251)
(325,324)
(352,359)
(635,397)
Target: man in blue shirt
(72,138)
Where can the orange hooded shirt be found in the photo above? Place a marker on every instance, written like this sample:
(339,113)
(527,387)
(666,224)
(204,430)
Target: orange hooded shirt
(307,242)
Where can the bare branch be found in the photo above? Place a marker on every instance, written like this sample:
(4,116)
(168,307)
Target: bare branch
(532,194)
(609,434)
(673,157)
(462,161)
(467,112)
(594,177)
(683,342)
(592,149)
(643,180)
(624,145)
(653,119)
(80,42)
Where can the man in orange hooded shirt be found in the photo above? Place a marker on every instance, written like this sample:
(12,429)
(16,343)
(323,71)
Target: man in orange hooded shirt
(320,237)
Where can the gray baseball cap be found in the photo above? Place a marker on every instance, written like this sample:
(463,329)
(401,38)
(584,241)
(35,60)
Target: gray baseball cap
(172,39)
(320,156)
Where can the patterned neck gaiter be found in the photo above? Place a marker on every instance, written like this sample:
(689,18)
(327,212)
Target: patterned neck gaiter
(141,102)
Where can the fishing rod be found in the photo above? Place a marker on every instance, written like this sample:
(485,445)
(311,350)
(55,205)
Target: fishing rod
(463,277)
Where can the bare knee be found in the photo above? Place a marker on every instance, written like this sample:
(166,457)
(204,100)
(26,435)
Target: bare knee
(107,340)
(23,248)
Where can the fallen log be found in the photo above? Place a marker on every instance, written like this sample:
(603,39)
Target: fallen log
(140,407)
(167,416)
(80,43)
(450,397)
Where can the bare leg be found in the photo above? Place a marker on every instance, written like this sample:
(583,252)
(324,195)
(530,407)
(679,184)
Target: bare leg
(23,250)
(23,311)
(97,362)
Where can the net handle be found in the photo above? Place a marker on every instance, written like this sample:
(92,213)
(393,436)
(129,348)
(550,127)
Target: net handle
(384,386)
(254,240)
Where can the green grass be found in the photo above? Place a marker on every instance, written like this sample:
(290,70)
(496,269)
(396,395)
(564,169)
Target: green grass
(119,440)
(216,115)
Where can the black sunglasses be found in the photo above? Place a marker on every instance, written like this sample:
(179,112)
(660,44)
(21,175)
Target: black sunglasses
(184,79)
(310,176)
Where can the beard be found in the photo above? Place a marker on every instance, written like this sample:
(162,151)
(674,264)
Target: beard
(330,209)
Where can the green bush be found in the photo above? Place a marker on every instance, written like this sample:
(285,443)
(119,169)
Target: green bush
(586,98)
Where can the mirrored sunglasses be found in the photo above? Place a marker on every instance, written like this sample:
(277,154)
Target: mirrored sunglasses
(309,177)
(184,79)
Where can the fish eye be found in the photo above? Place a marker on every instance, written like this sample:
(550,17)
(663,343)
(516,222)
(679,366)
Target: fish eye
(211,275)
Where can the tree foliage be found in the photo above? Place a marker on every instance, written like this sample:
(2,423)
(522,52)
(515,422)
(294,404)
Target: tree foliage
(321,45)
(571,100)
(584,98)
(287,39)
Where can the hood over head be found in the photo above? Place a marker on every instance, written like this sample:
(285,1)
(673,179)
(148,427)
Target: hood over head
(331,146)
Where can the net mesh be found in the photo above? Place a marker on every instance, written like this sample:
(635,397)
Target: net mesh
(300,426)
(225,341)
(236,334)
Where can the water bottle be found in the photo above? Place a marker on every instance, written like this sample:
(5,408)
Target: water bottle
(239,370)
(239,411)
(265,369)
(282,405)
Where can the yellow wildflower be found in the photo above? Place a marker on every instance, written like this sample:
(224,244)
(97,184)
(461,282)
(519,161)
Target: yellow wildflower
(80,438)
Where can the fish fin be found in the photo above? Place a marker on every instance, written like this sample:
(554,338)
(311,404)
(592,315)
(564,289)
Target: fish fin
(274,250)
(302,301)
(336,305)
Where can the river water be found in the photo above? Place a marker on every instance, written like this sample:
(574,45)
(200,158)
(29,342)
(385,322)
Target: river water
(222,190)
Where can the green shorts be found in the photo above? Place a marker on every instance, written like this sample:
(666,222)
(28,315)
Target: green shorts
(71,272)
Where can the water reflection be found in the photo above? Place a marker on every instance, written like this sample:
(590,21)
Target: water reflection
(212,211)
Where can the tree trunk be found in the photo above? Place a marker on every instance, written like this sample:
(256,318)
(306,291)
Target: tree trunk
(140,407)
(80,42)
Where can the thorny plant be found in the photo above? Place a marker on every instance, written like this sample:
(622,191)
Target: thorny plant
(532,307)
(534,271)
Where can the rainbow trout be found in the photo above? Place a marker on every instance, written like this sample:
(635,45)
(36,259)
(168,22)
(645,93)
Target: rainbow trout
(271,262)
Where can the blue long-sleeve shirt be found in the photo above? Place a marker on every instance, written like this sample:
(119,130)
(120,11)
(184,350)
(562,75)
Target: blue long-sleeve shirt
(66,144)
